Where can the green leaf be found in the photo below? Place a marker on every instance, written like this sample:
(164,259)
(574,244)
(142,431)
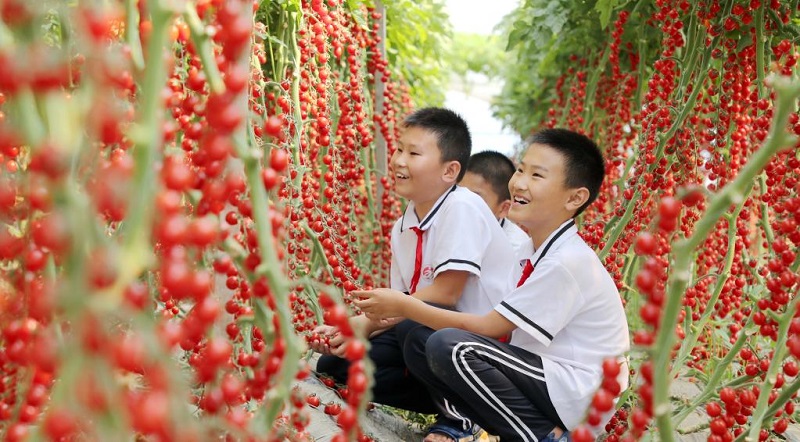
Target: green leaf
(605,7)
(516,36)
(556,23)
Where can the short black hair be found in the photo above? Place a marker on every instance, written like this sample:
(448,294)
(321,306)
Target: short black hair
(494,167)
(452,133)
(585,166)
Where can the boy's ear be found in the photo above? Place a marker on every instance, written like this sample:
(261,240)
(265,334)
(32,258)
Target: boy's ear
(505,206)
(451,171)
(577,198)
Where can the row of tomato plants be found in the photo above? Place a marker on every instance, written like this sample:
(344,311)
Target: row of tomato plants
(696,103)
(187,189)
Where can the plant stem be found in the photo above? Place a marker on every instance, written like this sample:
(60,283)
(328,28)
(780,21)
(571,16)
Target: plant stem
(764,221)
(28,113)
(202,42)
(716,376)
(733,193)
(760,416)
(759,43)
(694,332)
(132,34)
(147,137)
(297,117)
(688,106)
(785,396)
(619,227)
(591,88)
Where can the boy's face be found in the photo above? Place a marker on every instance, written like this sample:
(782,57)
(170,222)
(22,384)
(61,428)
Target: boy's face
(479,185)
(419,172)
(540,201)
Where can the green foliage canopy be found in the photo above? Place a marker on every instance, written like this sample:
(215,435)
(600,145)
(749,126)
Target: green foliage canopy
(416,35)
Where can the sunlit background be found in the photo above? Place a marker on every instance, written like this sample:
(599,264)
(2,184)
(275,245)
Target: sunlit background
(473,101)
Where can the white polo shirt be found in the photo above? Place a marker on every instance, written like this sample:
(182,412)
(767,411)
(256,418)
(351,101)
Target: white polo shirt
(461,233)
(568,312)
(516,236)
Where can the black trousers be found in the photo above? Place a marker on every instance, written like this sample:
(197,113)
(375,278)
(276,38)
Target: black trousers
(496,385)
(394,384)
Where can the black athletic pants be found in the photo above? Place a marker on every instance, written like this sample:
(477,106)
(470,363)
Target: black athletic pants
(496,385)
(394,385)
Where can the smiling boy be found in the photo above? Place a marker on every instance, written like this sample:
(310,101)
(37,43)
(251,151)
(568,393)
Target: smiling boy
(565,316)
(447,250)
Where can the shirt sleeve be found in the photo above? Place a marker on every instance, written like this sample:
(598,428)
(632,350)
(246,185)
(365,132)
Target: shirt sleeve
(545,304)
(462,237)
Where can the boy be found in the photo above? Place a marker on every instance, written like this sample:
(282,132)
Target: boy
(566,316)
(447,249)
(487,175)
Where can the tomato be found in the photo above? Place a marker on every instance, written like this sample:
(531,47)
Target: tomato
(645,244)
(603,401)
(313,400)
(581,434)
(727,395)
(347,418)
(273,126)
(355,350)
(669,208)
(718,426)
(713,409)
(333,409)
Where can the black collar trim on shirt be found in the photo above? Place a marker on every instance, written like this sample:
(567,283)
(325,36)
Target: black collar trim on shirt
(552,241)
(503,222)
(423,225)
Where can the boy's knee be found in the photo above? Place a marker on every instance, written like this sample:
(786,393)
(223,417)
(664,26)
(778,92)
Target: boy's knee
(439,348)
(415,342)
(446,338)
(404,329)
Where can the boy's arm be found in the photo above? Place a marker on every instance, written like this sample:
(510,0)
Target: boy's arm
(388,303)
(446,288)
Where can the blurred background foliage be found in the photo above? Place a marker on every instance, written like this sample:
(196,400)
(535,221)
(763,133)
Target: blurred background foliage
(469,53)
(541,37)
(417,33)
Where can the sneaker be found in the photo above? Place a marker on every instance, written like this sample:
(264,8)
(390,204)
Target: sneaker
(457,434)
(565,437)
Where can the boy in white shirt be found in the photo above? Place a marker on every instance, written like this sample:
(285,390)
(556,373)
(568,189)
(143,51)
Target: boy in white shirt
(565,317)
(487,175)
(447,249)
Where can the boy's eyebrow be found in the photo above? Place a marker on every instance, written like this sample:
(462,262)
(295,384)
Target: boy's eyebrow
(533,166)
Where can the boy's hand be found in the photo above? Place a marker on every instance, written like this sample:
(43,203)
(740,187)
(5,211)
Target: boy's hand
(331,342)
(381,303)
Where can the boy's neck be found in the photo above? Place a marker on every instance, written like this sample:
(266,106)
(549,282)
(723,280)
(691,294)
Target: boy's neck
(540,235)
(422,208)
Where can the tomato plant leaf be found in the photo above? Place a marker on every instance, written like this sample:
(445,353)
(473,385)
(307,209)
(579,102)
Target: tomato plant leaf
(605,7)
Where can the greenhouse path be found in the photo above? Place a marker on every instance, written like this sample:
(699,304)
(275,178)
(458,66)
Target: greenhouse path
(384,426)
